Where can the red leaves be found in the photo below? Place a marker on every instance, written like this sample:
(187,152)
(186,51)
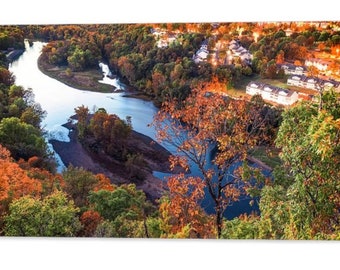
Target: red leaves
(90,220)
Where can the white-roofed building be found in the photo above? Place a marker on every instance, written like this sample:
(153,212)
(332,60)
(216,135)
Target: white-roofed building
(272,93)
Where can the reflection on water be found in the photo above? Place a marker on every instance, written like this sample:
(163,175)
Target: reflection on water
(59,101)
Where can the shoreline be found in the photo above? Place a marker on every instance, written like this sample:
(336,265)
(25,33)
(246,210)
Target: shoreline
(155,155)
(81,80)
(86,80)
(75,153)
(95,86)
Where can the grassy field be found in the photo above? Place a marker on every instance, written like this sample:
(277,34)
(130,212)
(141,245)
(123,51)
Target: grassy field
(239,89)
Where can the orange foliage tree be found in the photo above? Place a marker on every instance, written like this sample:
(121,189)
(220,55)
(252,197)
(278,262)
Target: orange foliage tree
(90,220)
(103,182)
(14,181)
(207,121)
(180,212)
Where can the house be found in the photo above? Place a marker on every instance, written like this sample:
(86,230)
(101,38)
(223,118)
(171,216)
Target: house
(234,42)
(293,69)
(313,83)
(328,84)
(157,32)
(202,53)
(163,38)
(305,82)
(246,57)
(237,50)
(233,47)
(162,43)
(288,32)
(320,64)
(272,93)
(296,80)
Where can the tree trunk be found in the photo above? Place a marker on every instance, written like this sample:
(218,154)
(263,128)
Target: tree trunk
(219,219)
(145,227)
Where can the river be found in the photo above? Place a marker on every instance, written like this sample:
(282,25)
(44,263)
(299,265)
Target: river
(59,101)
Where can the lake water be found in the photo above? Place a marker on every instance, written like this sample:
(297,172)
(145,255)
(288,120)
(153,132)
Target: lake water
(59,101)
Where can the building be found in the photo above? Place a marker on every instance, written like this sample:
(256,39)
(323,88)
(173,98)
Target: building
(163,38)
(313,83)
(293,69)
(272,93)
(320,64)
(202,53)
(238,51)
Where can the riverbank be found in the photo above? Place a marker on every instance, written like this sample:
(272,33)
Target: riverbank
(154,155)
(82,80)
(86,80)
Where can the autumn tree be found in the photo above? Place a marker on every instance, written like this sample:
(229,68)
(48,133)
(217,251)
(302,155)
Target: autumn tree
(6,77)
(50,182)
(180,211)
(90,220)
(14,181)
(110,132)
(204,121)
(280,57)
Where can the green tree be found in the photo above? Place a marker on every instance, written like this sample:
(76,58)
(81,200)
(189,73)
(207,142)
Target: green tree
(53,216)
(335,39)
(33,115)
(310,148)
(82,113)
(23,140)
(244,227)
(324,36)
(78,184)
(77,59)
(125,208)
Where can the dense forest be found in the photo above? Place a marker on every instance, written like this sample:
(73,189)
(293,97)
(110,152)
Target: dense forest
(300,201)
